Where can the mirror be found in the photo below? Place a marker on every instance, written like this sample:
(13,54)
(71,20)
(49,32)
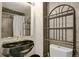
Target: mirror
(16,19)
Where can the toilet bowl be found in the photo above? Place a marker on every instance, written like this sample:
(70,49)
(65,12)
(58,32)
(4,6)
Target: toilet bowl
(60,51)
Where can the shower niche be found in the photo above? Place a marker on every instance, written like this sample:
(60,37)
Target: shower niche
(16,19)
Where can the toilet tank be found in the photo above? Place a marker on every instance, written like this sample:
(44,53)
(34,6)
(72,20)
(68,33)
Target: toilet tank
(59,51)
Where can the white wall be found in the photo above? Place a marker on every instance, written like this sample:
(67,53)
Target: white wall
(39,28)
(0,16)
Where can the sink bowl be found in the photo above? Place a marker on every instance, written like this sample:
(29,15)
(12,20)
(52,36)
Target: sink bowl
(15,48)
(14,44)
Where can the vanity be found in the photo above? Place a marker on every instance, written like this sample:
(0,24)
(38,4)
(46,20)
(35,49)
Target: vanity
(17,49)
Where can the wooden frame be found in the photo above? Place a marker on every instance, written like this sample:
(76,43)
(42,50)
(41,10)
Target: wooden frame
(12,11)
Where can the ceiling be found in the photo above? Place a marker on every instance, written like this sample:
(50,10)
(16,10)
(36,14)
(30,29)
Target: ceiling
(17,6)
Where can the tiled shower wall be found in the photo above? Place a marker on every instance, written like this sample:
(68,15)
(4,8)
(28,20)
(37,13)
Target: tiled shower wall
(51,5)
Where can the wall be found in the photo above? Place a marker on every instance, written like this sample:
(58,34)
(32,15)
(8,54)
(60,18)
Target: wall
(76,6)
(0,16)
(38,8)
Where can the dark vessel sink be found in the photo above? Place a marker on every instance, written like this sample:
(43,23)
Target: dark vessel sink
(15,49)
(15,44)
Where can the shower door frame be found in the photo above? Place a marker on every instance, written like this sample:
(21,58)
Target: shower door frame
(66,28)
